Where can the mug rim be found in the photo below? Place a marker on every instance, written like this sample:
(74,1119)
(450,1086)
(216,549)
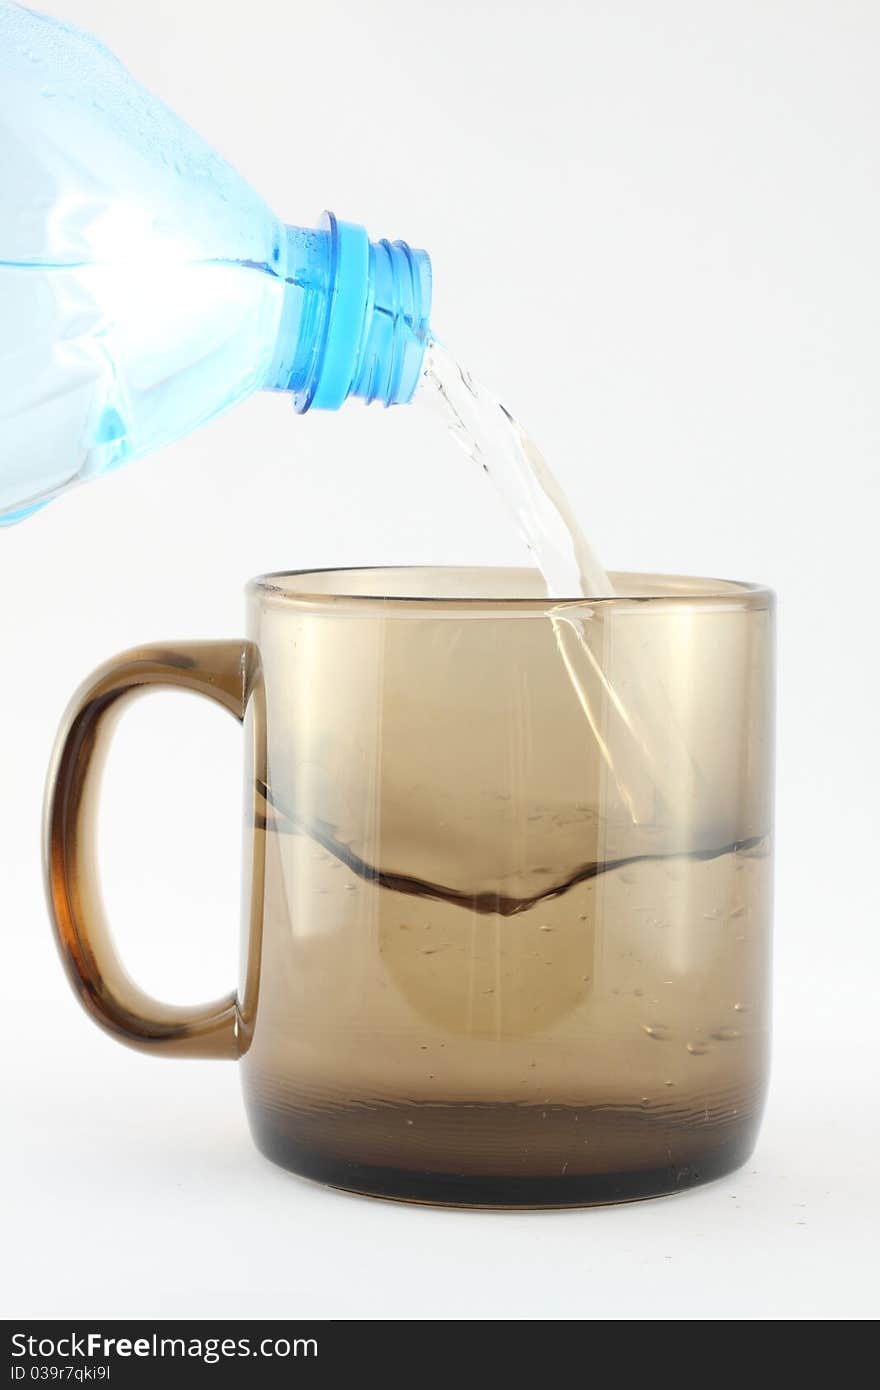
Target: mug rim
(643,589)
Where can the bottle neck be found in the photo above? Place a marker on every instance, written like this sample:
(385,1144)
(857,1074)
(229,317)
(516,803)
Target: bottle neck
(355,318)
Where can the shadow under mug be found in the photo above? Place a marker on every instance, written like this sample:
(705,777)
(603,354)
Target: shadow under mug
(507,931)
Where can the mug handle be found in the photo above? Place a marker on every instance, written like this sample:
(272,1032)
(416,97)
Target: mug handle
(221,671)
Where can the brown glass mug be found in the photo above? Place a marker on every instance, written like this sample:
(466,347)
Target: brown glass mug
(507,939)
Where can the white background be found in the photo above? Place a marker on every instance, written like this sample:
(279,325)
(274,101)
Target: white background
(655,229)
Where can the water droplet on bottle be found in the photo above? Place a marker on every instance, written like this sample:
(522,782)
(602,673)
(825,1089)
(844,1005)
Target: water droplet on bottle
(698,1049)
(741,1008)
(725,1034)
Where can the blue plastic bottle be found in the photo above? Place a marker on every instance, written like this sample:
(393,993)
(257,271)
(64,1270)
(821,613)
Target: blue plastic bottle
(144,286)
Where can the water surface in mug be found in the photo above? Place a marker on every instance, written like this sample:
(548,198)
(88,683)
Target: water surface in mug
(612,1034)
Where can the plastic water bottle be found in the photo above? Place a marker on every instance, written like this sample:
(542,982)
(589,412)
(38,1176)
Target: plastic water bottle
(144,286)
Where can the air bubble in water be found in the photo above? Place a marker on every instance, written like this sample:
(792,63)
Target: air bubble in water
(658,1031)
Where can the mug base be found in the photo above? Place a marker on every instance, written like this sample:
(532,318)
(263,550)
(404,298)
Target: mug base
(505,1190)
